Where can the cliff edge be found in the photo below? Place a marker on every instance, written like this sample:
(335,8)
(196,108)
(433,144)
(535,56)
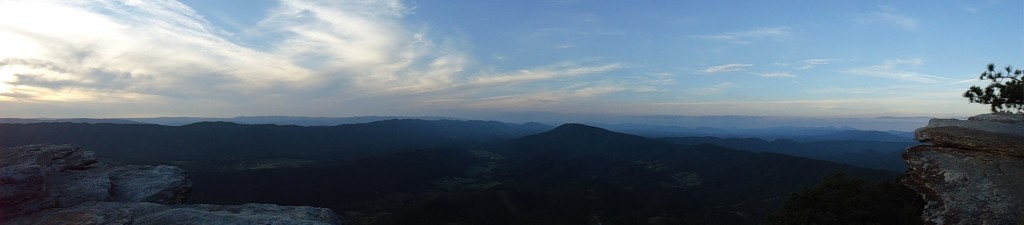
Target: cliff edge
(61,184)
(970,171)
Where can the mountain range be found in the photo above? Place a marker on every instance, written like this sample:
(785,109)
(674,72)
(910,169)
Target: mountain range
(460,172)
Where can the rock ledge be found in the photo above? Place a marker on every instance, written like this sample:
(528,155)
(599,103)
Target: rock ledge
(61,184)
(972,172)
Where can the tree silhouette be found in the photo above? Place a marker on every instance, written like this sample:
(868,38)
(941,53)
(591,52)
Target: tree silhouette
(1006,92)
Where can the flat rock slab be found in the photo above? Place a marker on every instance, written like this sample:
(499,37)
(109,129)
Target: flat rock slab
(981,140)
(143,213)
(59,184)
(966,188)
(973,171)
(157,184)
(26,171)
(998,117)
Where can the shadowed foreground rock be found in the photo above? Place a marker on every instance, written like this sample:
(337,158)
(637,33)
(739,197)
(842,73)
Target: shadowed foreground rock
(973,171)
(152,213)
(60,184)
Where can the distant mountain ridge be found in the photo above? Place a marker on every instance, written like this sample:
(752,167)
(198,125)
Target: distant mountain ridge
(68,120)
(280,120)
(884,155)
(142,143)
(180,121)
(799,133)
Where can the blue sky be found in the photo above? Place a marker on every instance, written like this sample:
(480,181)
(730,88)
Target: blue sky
(496,59)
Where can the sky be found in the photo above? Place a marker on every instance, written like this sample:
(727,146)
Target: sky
(500,59)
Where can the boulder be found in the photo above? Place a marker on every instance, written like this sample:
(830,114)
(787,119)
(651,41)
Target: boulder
(159,184)
(972,172)
(61,184)
(143,213)
(25,173)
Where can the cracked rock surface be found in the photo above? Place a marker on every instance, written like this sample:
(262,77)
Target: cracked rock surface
(972,172)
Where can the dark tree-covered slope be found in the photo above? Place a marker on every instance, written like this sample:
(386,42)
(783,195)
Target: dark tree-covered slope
(221,141)
(577,174)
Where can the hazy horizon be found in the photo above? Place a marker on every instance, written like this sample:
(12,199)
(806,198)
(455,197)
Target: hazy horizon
(542,60)
(905,124)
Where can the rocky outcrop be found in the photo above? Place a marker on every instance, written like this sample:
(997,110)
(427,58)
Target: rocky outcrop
(970,171)
(152,213)
(61,184)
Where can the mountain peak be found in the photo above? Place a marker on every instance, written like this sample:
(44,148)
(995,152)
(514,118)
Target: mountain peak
(581,130)
(577,127)
(581,134)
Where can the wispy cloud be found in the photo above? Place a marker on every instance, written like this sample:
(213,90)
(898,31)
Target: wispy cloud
(157,47)
(363,44)
(888,15)
(727,68)
(747,36)
(543,74)
(898,69)
(164,48)
(564,46)
(780,74)
(806,64)
(811,63)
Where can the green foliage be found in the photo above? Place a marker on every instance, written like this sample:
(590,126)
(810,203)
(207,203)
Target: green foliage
(1006,92)
(841,200)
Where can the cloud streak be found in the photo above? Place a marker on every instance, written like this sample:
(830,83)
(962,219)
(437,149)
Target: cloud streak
(164,48)
(543,74)
(155,47)
(775,75)
(749,35)
(727,68)
(896,69)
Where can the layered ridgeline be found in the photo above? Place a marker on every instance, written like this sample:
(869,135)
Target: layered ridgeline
(214,145)
(882,153)
(970,171)
(461,172)
(247,146)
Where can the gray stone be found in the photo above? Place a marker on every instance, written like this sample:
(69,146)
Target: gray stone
(981,126)
(242,214)
(964,187)
(58,184)
(54,158)
(973,173)
(78,186)
(23,189)
(158,184)
(982,140)
(143,213)
(999,117)
(26,170)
